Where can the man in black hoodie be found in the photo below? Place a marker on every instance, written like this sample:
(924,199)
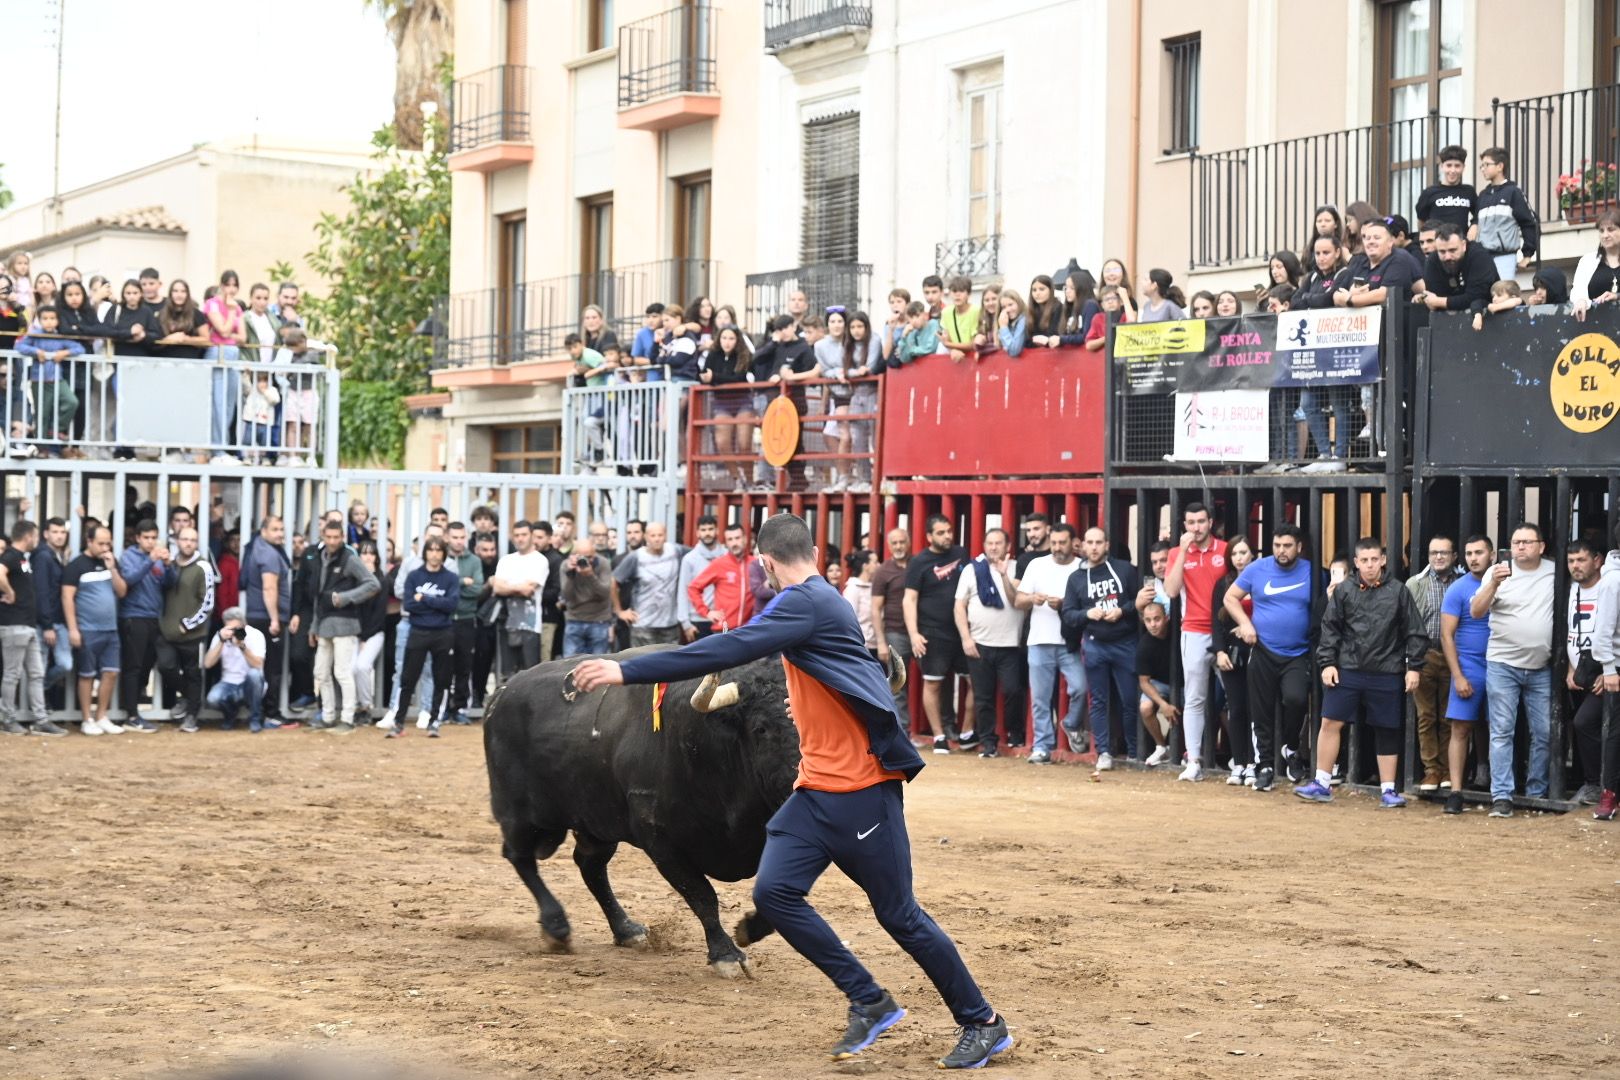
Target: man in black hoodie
(1459,274)
(1507,225)
(1099,606)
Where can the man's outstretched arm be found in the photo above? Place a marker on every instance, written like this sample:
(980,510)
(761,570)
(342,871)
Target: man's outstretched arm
(787,622)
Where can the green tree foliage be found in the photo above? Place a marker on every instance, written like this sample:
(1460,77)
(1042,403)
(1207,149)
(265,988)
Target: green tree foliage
(5,194)
(386,260)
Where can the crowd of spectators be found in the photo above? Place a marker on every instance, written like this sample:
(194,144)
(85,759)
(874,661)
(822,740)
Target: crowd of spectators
(59,390)
(1243,654)
(357,634)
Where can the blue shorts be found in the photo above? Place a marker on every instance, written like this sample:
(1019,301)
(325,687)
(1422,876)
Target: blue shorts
(1374,698)
(1468,710)
(98,652)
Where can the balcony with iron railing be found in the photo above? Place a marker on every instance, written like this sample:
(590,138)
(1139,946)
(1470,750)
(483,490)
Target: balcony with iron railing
(1563,149)
(489,120)
(525,324)
(976,256)
(667,69)
(823,284)
(792,23)
(1254,200)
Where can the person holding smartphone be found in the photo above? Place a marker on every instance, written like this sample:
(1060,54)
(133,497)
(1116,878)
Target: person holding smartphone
(238,650)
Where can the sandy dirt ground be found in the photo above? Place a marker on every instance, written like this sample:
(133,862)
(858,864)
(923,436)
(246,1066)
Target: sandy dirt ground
(173,901)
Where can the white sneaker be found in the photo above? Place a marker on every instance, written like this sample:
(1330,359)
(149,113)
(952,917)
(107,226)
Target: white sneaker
(1157,757)
(1248,776)
(90,727)
(387,720)
(1105,762)
(1235,779)
(1364,433)
(860,487)
(1193,772)
(223,459)
(110,728)
(1324,466)
(423,720)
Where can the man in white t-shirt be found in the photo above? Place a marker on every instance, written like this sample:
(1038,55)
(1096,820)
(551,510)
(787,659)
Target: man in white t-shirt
(989,623)
(520,577)
(238,651)
(1040,592)
(1518,594)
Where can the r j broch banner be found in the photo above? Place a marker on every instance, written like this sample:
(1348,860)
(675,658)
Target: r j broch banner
(1330,347)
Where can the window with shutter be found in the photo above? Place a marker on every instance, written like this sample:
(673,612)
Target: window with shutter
(832,190)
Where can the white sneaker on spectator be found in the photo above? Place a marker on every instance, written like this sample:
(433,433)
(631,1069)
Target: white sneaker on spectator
(1364,433)
(387,720)
(1193,772)
(223,459)
(423,720)
(174,457)
(1236,777)
(109,728)
(1276,468)
(1248,776)
(1105,762)
(1157,757)
(90,727)
(1323,466)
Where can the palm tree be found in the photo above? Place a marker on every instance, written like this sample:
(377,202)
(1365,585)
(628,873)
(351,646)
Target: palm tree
(423,33)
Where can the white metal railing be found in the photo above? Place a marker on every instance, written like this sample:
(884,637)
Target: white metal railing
(629,428)
(224,411)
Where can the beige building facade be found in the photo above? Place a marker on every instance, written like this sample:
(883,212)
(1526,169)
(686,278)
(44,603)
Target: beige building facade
(623,152)
(237,204)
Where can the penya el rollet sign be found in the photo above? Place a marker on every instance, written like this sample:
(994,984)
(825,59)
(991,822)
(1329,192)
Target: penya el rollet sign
(1331,347)
(1525,391)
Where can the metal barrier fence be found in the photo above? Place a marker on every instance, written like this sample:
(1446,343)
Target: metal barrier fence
(531,320)
(1563,150)
(237,498)
(672,52)
(1250,202)
(794,22)
(490,106)
(623,429)
(224,411)
(838,446)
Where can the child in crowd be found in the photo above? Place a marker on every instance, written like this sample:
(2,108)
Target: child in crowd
(989,319)
(1506,224)
(1012,325)
(1097,334)
(1450,199)
(921,337)
(895,326)
(959,322)
(259,413)
(300,403)
(934,295)
(54,399)
(1505,296)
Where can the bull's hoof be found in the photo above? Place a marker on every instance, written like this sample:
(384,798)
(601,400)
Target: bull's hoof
(734,968)
(635,939)
(552,944)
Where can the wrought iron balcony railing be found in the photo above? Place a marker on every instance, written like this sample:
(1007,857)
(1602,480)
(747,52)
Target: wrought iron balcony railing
(670,53)
(491,106)
(797,22)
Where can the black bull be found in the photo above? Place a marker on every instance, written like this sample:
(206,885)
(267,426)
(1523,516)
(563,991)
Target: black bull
(694,795)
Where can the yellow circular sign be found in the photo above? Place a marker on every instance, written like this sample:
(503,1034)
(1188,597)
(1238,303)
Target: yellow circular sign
(1585,383)
(780,431)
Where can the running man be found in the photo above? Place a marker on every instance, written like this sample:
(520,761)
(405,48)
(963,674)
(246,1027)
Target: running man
(854,759)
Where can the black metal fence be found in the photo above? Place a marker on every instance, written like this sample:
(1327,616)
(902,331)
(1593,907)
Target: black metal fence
(976,256)
(529,321)
(1252,201)
(672,52)
(491,106)
(1563,149)
(823,284)
(794,22)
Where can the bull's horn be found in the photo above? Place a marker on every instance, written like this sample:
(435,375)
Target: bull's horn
(897,673)
(712,694)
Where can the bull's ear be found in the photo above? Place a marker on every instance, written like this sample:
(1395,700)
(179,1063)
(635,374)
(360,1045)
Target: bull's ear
(897,673)
(712,694)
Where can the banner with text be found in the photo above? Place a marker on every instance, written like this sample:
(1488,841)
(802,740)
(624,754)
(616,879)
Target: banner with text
(1329,347)
(1223,425)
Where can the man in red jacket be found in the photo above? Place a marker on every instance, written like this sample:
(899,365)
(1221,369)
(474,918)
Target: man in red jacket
(728,575)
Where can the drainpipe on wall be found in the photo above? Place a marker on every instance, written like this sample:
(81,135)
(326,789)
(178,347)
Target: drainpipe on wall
(1135,186)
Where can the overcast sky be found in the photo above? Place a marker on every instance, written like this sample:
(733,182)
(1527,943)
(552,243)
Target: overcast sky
(143,80)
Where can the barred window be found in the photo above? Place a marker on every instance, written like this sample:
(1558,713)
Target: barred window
(832,189)
(1182,57)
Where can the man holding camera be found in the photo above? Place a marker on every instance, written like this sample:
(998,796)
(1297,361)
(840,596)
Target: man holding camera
(238,650)
(587,596)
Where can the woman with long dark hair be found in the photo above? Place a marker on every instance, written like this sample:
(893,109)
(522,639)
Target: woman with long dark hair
(1282,269)
(727,364)
(863,356)
(1325,222)
(1079,306)
(1202,305)
(373,635)
(984,341)
(1232,664)
(1045,314)
(184,334)
(90,378)
(1162,300)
